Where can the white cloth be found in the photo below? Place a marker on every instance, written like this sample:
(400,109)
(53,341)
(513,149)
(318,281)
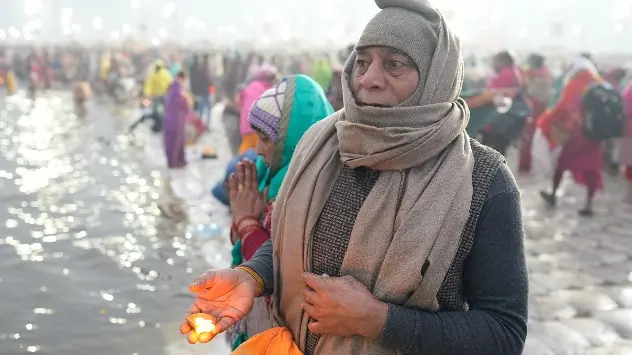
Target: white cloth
(579,64)
(543,158)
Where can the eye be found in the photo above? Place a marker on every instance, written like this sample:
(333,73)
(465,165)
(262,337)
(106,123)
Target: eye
(395,67)
(361,66)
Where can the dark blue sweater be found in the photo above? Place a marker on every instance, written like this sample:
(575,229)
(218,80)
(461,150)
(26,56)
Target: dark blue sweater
(495,286)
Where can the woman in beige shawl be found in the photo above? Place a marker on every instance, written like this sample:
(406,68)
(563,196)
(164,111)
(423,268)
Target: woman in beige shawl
(393,232)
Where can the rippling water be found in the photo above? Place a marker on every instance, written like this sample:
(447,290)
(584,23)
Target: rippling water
(87,265)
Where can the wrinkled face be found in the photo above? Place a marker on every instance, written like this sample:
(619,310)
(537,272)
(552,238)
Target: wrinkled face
(383,76)
(265,147)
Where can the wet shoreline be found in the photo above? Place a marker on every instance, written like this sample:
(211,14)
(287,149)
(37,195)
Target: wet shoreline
(88,264)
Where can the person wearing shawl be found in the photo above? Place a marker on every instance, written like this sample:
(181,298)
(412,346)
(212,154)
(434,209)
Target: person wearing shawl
(280,117)
(262,80)
(177,112)
(561,126)
(509,77)
(393,232)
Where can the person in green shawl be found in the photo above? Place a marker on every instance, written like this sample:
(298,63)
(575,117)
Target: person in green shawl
(280,117)
(322,72)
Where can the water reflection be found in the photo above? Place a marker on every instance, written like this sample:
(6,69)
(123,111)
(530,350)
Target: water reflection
(82,226)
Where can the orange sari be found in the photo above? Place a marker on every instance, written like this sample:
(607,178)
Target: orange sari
(565,115)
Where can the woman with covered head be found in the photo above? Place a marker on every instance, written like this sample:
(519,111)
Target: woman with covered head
(562,127)
(393,232)
(279,117)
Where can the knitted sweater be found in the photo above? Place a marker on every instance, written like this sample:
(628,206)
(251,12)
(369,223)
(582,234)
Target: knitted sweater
(333,228)
(488,277)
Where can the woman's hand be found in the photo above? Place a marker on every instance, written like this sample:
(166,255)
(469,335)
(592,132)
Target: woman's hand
(245,198)
(342,306)
(227,295)
(480,100)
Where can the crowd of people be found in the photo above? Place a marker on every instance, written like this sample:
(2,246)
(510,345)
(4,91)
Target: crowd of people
(548,116)
(373,208)
(387,229)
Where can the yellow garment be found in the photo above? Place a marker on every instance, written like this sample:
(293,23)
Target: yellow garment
(104,67)
(249,141)
(157,83)
(9,81)
(275,341)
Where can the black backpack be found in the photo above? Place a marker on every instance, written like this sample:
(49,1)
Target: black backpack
(602,111)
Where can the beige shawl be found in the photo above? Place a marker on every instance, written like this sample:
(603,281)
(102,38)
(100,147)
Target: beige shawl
(415,213)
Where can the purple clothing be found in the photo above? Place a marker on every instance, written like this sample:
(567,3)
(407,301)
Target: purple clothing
(177,110)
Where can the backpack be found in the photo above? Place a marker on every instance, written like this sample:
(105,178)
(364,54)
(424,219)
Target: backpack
(602,111)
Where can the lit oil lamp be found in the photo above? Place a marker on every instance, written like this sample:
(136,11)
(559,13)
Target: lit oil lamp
(202,323)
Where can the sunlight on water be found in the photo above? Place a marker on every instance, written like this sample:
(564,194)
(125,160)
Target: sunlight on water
(81,223)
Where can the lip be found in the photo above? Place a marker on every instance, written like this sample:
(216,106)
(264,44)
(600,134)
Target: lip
(372,104)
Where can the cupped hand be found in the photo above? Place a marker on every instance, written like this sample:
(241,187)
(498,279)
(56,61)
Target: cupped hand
(227,295)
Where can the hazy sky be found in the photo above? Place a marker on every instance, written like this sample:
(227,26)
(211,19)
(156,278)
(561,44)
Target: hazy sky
(575,24)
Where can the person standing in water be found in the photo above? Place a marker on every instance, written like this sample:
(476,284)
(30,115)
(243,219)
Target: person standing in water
(177,112)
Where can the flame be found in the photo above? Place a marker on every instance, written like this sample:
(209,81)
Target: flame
(203,325)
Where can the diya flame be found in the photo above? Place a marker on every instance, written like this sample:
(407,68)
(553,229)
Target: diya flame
(202,323)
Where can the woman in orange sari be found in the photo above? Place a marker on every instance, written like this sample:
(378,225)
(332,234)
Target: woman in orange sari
(561,125)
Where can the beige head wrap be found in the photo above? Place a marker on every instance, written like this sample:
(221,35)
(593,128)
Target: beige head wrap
(417,209)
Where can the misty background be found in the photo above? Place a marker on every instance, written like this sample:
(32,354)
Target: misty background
(572,25)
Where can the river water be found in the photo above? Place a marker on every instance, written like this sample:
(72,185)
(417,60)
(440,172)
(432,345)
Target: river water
(87,263)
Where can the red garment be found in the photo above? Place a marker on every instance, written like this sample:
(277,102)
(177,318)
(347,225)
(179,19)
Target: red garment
(251,242)
(579,155)
(526,141)
(566,111)
(508,77)
(628,173)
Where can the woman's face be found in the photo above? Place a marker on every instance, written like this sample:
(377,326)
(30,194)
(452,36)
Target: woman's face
(383,76)
(498,64)
(265,147)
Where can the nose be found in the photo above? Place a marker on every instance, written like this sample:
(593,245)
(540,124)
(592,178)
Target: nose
(374,77)
(259,148)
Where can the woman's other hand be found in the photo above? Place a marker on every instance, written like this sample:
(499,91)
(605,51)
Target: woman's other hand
(342,306)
